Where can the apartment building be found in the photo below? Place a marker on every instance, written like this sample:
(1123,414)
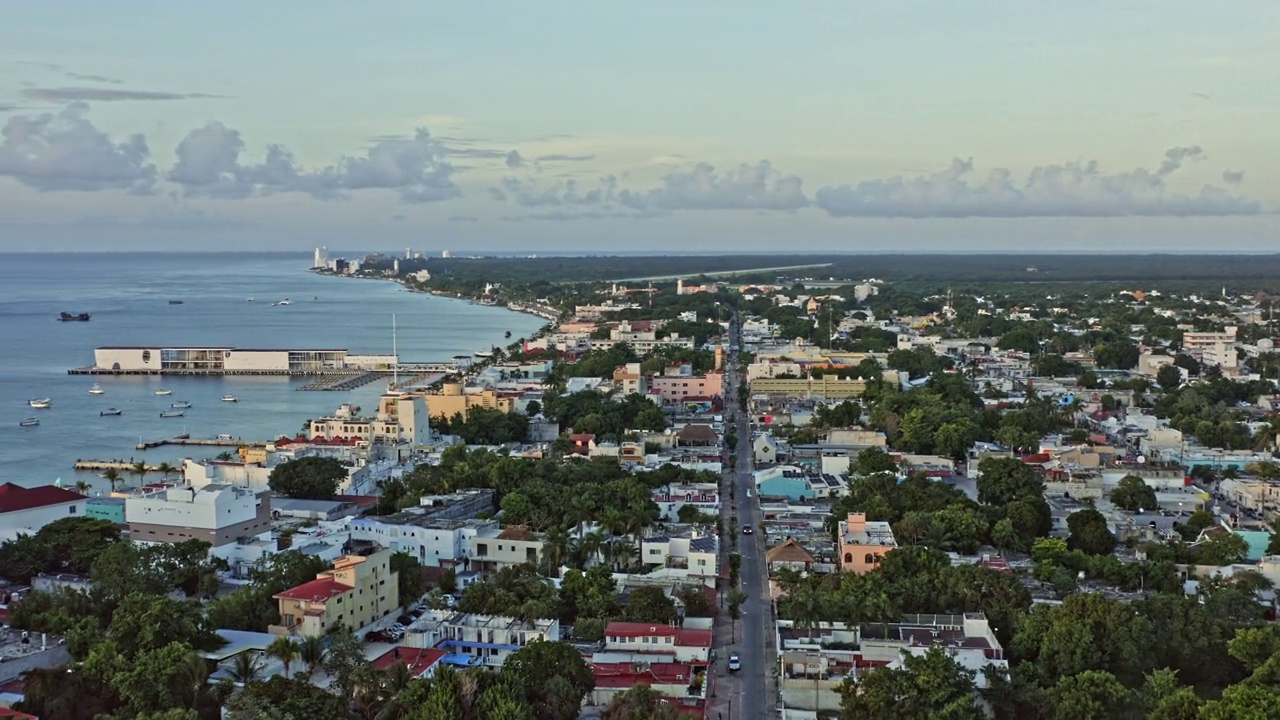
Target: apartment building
(493,549)
(221,515)
(862,543)
(629,379)
(401,418)
(359,590)
(453,399)
(1212,348)
(485,640)
(673,496)
(696,552)
(658,643)
(673,389)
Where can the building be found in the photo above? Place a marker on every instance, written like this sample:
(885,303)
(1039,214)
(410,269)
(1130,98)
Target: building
(790,555)
(796,484)
(696,552)
(629,379)
(673,496)
(487,640)
(422,662)
(828,387)
(672,389)
(358,591)
(25,510)
(453,400)
(231,360)
(658,643)
(221,515)
(863,543)
(683,686)
(493,549)
(1212,348)
(402,418)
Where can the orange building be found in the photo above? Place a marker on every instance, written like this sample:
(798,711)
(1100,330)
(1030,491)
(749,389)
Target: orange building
(863,542)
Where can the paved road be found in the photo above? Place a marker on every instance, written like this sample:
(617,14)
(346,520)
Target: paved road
(751,698)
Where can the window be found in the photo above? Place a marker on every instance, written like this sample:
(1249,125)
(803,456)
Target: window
(71,510)
(870,559)
(848,558)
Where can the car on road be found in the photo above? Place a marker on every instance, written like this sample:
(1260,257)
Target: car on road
(747,530)
(735,663)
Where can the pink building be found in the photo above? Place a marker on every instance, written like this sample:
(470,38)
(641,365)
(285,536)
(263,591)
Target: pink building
(674,388)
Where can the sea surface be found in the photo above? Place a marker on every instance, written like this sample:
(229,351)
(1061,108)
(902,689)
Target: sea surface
(128,296)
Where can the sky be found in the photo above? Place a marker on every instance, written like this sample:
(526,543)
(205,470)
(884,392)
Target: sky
(866,126)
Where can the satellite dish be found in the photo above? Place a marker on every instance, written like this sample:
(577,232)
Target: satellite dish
(1142,459)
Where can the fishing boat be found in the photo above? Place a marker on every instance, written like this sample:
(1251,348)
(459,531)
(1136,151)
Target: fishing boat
(286,301)
(30,422)
(74,317)
(96,389)
(41,403)
(484,353)
(111,412)
(230,398)
(175,302)
(164,392)
(181,405)
(172,413)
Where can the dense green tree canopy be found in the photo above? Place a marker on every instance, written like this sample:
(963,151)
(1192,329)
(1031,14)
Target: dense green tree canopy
(310,478)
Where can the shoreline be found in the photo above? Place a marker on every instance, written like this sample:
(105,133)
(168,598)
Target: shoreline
(552,317)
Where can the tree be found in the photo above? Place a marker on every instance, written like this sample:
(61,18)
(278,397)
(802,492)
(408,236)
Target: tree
(641,702)
(413,584)
(245,668)
(1132,493)
(1221,548)
(141,468)
(928,686)
(873,460)
(166,469)
(1089,533)
(343,661)
(286,699)
(650,605)
(1273,545)
(1004,480)
(112,476)
(736,598)
(554,677)
(312,652)
(285,650)
(1169,377)
(309,478)
(1090,695)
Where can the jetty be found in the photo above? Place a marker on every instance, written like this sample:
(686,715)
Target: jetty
(342,381)
(110,465)
(200,442)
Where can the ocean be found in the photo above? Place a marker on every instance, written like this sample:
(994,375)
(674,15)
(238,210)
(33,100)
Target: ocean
(128,297)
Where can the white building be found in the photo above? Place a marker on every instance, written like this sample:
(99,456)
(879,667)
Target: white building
(321,258)
(697,553)
(362,474)
(1212,348)
(488,639)
(25,510)
(494,549)
(401,419)
(673,496)
(217,360)
(221,515)
(658,643)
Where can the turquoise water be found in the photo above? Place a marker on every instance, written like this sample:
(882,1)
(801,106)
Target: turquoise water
(128,296)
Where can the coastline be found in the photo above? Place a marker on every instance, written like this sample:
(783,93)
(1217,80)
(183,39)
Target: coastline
(549,314)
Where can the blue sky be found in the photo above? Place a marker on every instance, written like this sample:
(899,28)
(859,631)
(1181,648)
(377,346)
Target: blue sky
(855,126)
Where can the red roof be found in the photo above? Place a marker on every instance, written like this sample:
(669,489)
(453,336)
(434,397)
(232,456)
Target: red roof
(1037,459)
(419,660)
(626,674)
(11,713)
(15,497)
(687,637)
(318,590)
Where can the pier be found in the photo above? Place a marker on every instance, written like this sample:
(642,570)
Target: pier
(341,373)
(199,442)
(110,465)
(343,381)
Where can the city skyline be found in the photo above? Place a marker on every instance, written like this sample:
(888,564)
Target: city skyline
(917,126)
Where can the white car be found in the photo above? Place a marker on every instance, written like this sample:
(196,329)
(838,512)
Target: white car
(735,663)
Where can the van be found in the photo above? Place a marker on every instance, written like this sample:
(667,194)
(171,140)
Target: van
(224,436)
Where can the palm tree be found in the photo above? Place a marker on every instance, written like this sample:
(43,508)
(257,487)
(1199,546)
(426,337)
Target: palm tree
(312,653)
(195,677)
(141,468)
(224,456)
(82,487)
(112,475)
(285,650)
(165,469)
(589,546)
(807,609)
(245,669)
(556,544)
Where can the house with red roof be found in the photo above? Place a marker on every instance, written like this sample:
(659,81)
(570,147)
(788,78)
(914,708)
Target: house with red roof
(25,510)
(684,686)
(357,592)
(664,643)
(422,662)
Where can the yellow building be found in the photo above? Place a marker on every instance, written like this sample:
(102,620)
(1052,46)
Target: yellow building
(356,592)
(827,387)
(453,401)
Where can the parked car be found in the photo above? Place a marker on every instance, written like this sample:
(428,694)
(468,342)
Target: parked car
(735,663)
(404,620)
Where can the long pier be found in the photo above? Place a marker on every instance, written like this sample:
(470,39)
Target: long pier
(199,442)
(345,381)
(110,465)
(403,369)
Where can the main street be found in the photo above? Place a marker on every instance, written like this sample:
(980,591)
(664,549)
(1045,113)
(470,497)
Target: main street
(749,692)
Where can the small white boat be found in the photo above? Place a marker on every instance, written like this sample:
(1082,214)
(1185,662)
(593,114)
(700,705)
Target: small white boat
(96,389)
(172,413)
(230,398)
(181,405)
(248,299)
(164,392)
(30,422)
(111,412)
(286,301)
(41,403)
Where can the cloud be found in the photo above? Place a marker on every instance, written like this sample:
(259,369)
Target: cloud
(9,107)
(514,160)
(1233,177)
(498,194)
(748,187)
(1175,157)
(65,151)
(463,218)
(528,193)
(398,218)
(95,78)
(86,94)
(564,158)
(208,164)
(1070,190)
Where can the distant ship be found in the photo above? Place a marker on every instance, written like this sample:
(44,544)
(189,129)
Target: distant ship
(96,389)
(164,392)
(69,317)
(30,422)
(42,403)
(175,302)
(111,412)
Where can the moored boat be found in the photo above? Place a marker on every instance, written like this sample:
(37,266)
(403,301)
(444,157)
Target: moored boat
(181,405)
(96,389)
(111,412)
(172,413)
(230,398)
(41,403)
(30,422)
(164,392)
(74,317)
